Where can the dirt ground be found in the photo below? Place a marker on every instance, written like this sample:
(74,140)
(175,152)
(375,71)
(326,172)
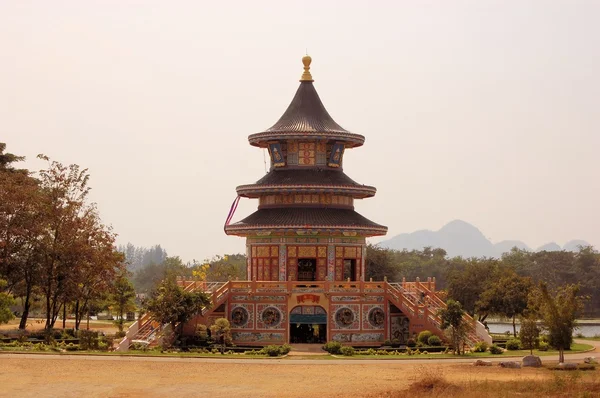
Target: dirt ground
(70,376)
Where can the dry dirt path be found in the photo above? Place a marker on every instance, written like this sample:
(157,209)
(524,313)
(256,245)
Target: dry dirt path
(30,375)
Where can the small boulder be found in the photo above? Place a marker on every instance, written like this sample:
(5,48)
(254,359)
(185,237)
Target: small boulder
(532,361)
(481,362)
(567,366)
(510,364)
(590,360)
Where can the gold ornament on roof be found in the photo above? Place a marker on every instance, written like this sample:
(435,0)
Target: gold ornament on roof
(306,76)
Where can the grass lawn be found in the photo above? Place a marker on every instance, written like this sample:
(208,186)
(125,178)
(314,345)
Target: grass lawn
(595,338)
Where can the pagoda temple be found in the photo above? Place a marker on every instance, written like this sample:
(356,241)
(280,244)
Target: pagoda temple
(306,249)
(306,228)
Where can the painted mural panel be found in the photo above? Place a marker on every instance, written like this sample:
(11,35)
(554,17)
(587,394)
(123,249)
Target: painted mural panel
(271,316)
(242,316)
(373,317)
(253,337)
(345,316)
(357,337)
(399,327)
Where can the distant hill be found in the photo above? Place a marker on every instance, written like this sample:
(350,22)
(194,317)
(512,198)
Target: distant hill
(459,238)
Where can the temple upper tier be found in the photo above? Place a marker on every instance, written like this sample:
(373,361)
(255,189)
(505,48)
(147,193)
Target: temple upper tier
(306,189)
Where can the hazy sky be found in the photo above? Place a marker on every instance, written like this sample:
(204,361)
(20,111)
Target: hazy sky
(486,111)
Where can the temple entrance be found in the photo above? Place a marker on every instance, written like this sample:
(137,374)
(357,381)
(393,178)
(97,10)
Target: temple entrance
(308,325)
(307,269)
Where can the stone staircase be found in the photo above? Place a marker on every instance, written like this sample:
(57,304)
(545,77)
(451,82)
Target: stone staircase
(147,331)
(422,305)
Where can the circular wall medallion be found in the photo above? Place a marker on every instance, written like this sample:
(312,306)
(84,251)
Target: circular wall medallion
(344,317)
(376,317)
(271,317)
(239,316)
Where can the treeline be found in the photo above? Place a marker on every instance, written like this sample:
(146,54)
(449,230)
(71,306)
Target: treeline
(53,245)
(138,257)
(218,269)
(467,279)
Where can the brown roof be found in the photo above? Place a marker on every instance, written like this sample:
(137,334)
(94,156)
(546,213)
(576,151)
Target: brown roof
(303,180)
(306,218)
(306,117)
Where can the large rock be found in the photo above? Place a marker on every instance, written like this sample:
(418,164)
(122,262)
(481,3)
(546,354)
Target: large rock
(532,361)
(510,364)
(481,362)
(590,360)
(567,366)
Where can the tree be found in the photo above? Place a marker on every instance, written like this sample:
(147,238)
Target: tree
(454,325)
(379,263)
(6,301)
(558,311)
(506,296)
(221,332)
(468,279)
(529,333)
(170,304)
(123,296)
(7,158)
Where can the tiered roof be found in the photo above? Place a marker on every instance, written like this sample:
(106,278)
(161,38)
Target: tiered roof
(306,120)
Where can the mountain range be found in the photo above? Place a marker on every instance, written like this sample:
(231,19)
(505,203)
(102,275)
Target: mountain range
(459,238)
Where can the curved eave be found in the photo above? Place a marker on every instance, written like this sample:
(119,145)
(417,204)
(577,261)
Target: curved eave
(350,139)
(257,190)
(307,220)
(247,230)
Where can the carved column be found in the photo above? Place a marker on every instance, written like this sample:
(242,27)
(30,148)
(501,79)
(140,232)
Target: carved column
(330,262)
(282,262)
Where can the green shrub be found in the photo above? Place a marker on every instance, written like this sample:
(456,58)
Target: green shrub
(40,347)
(103,346)
(347,351)
(120,335)
(139,347)
(88,339)
(71,347)
(513,344)
(382,352)
(272,350)
(387,343)
(543,346)
(411,342)
(424,337)
(333,347)
(434,341)
(495,350)
(480,346)
(417,352)
(284,349)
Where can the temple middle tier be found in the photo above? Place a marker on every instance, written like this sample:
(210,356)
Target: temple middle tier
(306,181)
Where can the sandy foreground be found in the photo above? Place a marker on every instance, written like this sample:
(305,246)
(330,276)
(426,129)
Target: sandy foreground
(70,376)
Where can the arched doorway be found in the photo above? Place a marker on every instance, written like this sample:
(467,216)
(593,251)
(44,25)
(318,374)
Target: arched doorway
(308,325)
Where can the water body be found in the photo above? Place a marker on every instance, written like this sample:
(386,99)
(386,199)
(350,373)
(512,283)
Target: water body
(586,329)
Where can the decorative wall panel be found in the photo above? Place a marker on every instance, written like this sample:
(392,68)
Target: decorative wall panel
(373,317)
(345,316)
(242,316)
(271,316)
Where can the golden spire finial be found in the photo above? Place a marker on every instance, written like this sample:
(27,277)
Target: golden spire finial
(306,76)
